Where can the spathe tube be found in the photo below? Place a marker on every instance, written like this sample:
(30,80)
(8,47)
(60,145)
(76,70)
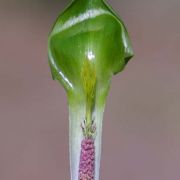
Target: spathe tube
(76,114)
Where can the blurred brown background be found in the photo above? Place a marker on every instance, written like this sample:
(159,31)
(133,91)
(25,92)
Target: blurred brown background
(141,135)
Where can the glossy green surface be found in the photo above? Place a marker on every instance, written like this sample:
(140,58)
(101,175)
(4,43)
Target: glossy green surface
(88,30)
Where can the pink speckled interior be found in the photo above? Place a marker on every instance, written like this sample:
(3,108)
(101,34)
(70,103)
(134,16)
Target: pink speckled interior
(87,160)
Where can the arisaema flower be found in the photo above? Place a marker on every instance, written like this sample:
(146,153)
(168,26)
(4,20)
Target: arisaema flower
(87,46)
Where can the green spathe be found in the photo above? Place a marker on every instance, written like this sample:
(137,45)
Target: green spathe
(87,45)
(88,30)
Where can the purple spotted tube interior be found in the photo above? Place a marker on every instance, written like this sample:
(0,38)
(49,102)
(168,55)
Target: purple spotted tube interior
(87,160)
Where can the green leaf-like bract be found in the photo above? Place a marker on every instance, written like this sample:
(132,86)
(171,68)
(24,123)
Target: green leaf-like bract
(88,29)
(87,45)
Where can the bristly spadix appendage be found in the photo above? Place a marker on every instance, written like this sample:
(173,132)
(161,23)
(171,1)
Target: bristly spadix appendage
(87,45)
